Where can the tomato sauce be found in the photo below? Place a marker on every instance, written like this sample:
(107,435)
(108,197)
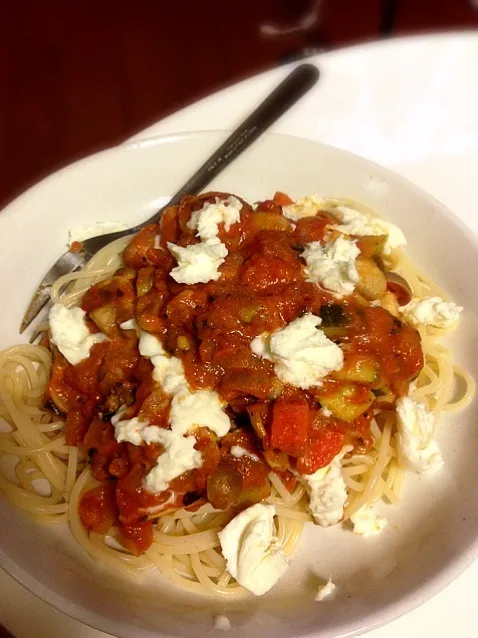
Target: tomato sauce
(210,327)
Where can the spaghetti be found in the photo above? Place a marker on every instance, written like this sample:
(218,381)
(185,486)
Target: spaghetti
(46,477)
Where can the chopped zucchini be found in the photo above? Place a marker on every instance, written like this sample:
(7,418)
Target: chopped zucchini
(183,343)
(334,333)
(248,313)
(372,283)
(105,319)
(371,245)
(144,282)
(270,221)
(277,460)
(343,402)
(359,368)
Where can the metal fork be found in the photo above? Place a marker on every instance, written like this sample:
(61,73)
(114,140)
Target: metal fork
(285,95)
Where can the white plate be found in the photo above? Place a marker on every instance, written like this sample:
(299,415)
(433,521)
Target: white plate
(430,538)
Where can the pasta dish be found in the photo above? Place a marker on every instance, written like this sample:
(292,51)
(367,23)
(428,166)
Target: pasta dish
(204,389)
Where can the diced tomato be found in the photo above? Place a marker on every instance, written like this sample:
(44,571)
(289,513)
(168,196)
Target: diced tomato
(135,254)
(118,467)
(97,508)
(408,349)
(103,448)
(84,376)
(289,428)
(137,537)
(77,422)
(309,229)
(281,199)
(206,444)
(360,433)
(76,247)
(169,224)
(134,502)
(272,266)
(326,444)
(117,291)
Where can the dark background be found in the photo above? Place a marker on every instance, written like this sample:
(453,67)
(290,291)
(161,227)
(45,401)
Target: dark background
(79,75)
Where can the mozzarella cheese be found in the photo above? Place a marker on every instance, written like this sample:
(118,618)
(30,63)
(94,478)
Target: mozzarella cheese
(129,430)
(302,354)
(237,451)
(129,325)
(325,591)
(366,522)
(198,263)
(206,220)
(417,451)
(222,623)
(188,411)
(80,233)
(179,456)
(168,371)
(149,345)
(70,334)
(352,222)
(200,409)
(333,265)
(327,492)
(433,311)
(306,207)
(252,550)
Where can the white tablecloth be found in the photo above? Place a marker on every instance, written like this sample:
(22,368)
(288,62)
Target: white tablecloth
(410,104)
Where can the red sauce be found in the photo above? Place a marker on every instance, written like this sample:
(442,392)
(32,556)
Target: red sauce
(210,327)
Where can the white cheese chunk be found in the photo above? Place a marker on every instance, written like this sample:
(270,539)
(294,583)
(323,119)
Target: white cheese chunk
(198,263)
(179,456)
(200,409)
(333,265)
(433,311)
(237,451)
(206,220)
(252,550)
(70,334)
(325,591)
(129,325)
(306,207)
(327,492)
(188,411)
(80,233)
(222,623)
(129,430)
(302,354)
(366,522)
(149,345)
(352,222)
(168,371)
(417,451)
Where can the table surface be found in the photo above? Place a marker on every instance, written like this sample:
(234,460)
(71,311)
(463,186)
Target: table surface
(410,104)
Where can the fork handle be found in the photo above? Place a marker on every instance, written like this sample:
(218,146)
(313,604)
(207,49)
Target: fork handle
(287,93)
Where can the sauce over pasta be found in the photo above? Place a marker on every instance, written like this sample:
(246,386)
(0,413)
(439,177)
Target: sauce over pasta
(238,369)
(210,326)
